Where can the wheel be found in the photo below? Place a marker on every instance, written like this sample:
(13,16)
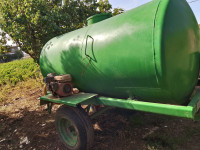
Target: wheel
(88,125)
(74,128)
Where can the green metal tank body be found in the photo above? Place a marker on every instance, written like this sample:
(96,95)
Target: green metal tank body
(150,53)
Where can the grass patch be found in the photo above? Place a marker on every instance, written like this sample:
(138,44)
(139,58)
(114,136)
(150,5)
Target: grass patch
(18,70)
(165,139)
(22,89)
(18,76)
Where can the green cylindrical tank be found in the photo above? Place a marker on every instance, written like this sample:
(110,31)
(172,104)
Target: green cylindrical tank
(150,53)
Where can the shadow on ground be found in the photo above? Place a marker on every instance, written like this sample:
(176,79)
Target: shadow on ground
(33,128)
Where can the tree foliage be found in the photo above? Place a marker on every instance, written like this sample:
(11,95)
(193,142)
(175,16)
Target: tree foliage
(31,23)
(104,6)
(117,11)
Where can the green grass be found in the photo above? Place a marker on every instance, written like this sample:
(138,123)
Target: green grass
(18,78)
(18,70)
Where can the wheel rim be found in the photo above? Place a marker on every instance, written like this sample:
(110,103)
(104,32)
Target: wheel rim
(68,132)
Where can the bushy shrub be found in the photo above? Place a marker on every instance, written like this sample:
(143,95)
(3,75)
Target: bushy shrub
(18,70)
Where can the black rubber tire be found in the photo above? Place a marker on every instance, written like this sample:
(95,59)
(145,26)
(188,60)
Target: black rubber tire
(88,125)
(81,122)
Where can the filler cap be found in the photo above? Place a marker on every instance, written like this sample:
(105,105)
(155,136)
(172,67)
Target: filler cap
(97,18)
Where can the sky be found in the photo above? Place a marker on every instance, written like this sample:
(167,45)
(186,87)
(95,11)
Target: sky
(129,4)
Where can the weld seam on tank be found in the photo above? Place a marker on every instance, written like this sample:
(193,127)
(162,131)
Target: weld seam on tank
(154,53)
(158,36)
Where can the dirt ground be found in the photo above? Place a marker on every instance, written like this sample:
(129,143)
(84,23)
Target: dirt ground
(26,125)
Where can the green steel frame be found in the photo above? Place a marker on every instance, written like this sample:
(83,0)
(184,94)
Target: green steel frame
(190,111)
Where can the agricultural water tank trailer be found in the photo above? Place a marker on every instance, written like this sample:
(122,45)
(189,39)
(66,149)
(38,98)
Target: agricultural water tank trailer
(145,59)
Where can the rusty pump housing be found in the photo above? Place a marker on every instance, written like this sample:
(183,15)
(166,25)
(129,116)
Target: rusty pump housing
(59,86)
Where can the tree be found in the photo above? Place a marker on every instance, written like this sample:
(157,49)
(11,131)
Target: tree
(104,6)
(117,11)
(32,23)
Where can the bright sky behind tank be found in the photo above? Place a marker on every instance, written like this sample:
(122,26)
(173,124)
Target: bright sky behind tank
(129,4)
